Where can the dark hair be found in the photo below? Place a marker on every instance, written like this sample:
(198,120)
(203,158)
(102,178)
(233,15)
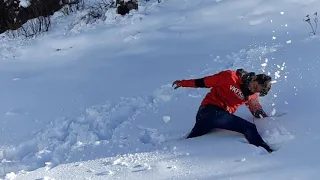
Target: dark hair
(247,77)
(265,81)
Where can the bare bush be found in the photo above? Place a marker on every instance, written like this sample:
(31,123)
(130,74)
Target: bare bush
(314,27)
(71,8)
(13,16)
(31,28)
(97,9)
(35,19)
(124,7)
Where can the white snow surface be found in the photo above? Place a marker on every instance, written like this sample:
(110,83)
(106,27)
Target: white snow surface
(95,101)
(24,3)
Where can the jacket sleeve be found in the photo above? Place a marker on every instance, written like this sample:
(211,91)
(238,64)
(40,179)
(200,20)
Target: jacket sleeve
(205,82)
(255,107)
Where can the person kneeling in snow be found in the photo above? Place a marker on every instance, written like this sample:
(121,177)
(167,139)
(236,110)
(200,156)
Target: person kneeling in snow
(229,90)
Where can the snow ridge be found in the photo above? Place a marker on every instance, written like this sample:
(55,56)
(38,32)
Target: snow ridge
(97,125)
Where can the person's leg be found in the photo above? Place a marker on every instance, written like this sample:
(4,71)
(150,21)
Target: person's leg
(199,129)
(234,123)
(203,123)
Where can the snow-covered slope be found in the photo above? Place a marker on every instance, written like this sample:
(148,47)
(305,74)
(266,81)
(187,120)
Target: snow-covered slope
(96,102)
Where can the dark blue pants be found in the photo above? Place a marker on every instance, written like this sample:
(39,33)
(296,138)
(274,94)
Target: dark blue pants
(210,117)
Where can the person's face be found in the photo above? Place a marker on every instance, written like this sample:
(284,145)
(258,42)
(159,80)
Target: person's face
(255,87)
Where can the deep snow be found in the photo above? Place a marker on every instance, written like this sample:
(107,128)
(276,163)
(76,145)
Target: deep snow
(95,101)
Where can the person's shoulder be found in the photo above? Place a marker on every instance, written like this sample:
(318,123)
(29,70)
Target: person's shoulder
(254,96)
(228,72)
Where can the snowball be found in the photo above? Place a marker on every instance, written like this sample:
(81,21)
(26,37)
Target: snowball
(166,119)
(11,175)
(24,3)
(273,112)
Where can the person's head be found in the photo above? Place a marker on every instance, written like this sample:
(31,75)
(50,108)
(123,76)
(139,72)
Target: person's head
(261,84)
(252,83)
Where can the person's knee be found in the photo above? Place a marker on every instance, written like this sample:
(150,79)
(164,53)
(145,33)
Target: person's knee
(251,126)
(200,128)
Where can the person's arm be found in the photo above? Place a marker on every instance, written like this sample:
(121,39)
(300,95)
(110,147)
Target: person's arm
(255,107)
(205,82)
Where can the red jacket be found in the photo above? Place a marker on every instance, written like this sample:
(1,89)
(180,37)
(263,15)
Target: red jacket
(225,92)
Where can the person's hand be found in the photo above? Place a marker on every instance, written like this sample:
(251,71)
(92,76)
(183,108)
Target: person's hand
(177,84)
